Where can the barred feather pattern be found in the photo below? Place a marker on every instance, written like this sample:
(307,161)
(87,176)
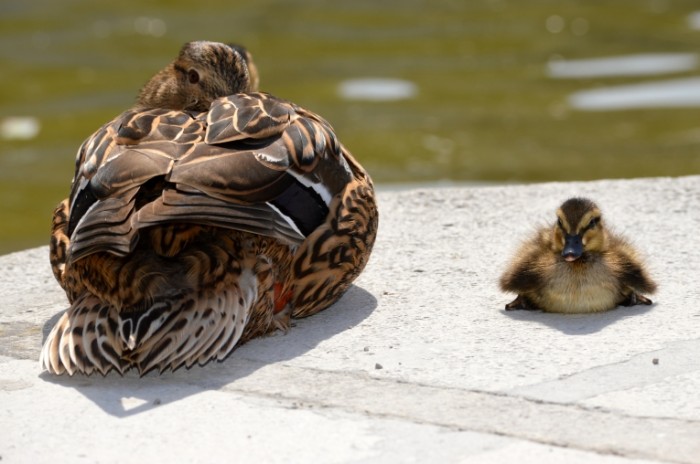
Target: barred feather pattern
(337,252)
(169,251)
(226,295)
(58,246)
(93,336)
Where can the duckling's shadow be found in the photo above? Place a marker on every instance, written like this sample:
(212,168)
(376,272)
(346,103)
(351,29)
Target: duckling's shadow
(127,395)
(579,324)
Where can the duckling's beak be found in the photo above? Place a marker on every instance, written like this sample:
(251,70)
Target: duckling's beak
(573,247)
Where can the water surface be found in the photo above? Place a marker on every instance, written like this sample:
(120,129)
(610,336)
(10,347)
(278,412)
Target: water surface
(420,91)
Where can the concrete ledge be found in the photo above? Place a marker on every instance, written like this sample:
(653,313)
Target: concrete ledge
(418,361)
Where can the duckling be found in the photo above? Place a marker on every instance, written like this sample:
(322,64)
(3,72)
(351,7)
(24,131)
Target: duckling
(576,266)
(206,215)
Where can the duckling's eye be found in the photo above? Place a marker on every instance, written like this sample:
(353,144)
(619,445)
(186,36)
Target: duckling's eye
(593,223)
(193,76)
(560,224)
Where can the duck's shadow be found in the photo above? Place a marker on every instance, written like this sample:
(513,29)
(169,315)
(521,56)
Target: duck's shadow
(127,395)
(579,324)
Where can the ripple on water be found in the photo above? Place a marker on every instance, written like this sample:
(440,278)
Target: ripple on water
(19,128)
(645,64)
(377,89)
(694,20)
(673,93)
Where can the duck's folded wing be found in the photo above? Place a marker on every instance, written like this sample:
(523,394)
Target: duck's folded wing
(260,218)
(274,175)
(101,225)
(231,190)
(307,138)
(247,116)
(112,225)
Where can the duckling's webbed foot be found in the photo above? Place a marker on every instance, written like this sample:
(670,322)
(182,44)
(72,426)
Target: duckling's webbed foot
(634,299)
(521,302)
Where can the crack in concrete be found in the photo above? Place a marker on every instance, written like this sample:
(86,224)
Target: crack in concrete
(565,425)
(639,370)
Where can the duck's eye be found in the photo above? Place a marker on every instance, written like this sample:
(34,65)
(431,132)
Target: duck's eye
(593,223)
(193,76)
(560,224)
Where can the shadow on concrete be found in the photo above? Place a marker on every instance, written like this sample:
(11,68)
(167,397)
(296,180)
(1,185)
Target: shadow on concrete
(579,324)
(48,325)
(127,395)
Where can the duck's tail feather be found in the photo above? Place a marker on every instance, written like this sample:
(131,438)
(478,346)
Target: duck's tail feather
(83,340)
(93,336)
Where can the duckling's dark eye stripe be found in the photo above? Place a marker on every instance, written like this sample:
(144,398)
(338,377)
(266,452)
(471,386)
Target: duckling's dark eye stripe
(592,223)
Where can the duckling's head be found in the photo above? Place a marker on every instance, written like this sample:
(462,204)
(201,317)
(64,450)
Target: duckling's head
(202,72)
(579,229)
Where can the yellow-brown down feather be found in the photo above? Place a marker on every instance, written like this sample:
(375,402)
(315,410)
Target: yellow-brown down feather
(609,272)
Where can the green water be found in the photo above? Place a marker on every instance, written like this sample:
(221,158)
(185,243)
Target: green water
(485,108)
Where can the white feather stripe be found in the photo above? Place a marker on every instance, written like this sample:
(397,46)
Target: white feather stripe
(197,335)
(209,334)
(203,328)
(50,359)
(227,330)
(77,342)
(109,349)
(238,303)
(186,331)
(64,347)
(155,323)
(203,333)
(82,342)
(156,345)
(239,313)
(318,187)
(230,335)
(286,219)
(71,339)
(81,315)
(47,353)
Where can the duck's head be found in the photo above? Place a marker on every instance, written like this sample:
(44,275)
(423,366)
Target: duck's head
(579,229)
(202,72)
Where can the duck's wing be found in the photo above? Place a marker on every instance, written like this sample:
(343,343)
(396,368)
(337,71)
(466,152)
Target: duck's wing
(253,163)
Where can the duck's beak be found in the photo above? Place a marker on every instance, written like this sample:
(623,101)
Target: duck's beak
(573,247)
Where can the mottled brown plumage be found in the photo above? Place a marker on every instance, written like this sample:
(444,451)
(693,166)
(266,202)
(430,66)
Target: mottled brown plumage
(206,215)
(576,266)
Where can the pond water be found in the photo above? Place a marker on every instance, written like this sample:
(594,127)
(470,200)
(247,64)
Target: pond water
(420,91)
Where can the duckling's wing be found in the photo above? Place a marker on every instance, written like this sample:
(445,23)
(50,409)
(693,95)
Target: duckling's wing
(253,163)
(634,276)
(526,272)
(628,267)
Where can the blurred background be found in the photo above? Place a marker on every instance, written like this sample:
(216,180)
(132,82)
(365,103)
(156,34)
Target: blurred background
(427,92)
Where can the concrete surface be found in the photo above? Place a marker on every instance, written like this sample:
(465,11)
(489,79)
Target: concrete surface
(417,362)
